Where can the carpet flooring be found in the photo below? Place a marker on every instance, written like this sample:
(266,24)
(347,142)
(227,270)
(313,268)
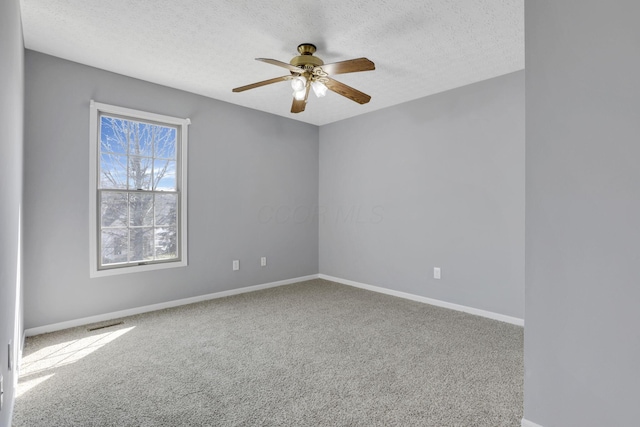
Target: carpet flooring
(314,353)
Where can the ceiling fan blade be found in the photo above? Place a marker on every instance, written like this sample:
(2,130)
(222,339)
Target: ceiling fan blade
(262,83)
(347,91)
(282,64)
(299,106)
(350,66)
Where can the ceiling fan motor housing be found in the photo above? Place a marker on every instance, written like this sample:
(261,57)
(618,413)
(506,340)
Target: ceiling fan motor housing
(306,59)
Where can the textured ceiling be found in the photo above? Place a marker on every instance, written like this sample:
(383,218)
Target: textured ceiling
(420,47)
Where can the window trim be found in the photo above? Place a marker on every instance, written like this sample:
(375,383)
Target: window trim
(96,108)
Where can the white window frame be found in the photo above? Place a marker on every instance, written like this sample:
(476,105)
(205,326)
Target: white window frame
(97,108)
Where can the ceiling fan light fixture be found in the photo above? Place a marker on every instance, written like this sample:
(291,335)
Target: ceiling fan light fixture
(299,94)
(319,89)
(298,84)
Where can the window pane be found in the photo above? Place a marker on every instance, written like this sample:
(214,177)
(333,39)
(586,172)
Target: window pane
(141,244)
(140,209)
(114,246)
(165,175)
(166,142)
(166,209)
(166,243)
(141,139)
(113,209)
(113,171)
(113,135)
(140,173)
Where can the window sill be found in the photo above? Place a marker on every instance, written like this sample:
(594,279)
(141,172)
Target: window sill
(136,269)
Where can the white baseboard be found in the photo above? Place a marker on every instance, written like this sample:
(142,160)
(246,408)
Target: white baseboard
(527,423)
(457,307)
(153,307)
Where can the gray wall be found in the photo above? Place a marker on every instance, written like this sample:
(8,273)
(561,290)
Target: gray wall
(582,340)
(11,146)
(243,165)
(434,182)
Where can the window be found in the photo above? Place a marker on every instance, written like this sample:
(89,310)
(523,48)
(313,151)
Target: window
(138,190)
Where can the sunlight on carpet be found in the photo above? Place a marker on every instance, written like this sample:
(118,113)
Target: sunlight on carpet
(61,354)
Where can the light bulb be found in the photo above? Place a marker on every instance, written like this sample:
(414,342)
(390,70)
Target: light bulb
(319,89)
(298,83)
(299,94)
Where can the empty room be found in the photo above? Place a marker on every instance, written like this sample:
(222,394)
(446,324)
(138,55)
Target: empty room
(339,213)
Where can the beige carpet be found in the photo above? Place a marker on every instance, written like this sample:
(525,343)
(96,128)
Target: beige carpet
(309,354)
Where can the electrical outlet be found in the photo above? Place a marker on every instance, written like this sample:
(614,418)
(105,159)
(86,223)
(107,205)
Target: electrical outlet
(263,261)
(236,264)
(436,273)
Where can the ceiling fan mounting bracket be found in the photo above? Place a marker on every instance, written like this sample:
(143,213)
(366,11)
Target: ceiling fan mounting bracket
(306,49)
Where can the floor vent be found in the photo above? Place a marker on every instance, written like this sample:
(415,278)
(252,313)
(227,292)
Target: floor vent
(108,325)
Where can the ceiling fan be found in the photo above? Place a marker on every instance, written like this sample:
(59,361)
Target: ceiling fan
(310,72)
